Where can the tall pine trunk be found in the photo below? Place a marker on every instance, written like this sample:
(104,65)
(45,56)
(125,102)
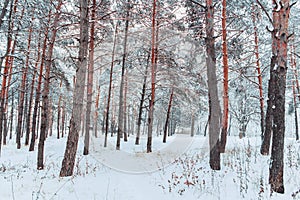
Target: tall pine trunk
(259,76)
(153,75)
(38,89)
(90,82)
(121,94)
(225,81)
(110,86)
(280,36)
(71,148)
(139,119)
(46,89)
(214,104)
(96,112)
(22,91)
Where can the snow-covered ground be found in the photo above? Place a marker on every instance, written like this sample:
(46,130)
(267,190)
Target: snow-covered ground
(179,170)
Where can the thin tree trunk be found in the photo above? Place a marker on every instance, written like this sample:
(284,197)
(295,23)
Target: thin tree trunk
(59,113)
(259,76)
(193,125)
(295,86)
(22,91)
(296,114)
(7,65)
(63,119)
(96,113)
(50,121)
(110,85)
(225,83)
(90,83)
(214,104)
(139,120)
(4,10)
(125,107)
(25,111)
(168,116)
(45,97)
(38,89)
(11,115)
(153,76)
(28,125)
(71,148)
(121,97)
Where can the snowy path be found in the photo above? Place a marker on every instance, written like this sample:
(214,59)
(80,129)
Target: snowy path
(141,162)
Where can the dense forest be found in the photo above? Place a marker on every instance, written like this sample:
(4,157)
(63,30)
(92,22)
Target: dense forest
(135,70)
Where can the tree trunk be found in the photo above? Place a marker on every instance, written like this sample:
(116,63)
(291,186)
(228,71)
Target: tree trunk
(96,113)
(295,85)
(296,114)
(153,76)
(22,91)
(225,83)
(28,125)
(71,148)
(110,85)
(193,125)
(139,120)
(11,115)
(8,62)
(125,107)
(279,50)
(59,113)
(259,76)
(63,119)
(214,104)
(4,10)
(38,89)
(90,82)
(121,97)
(45,96)
(168,116)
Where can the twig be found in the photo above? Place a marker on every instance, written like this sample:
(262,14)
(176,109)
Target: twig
(199,4)
(264,9)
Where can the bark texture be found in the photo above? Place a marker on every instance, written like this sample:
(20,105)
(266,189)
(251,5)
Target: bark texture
(214,104)
(71,148)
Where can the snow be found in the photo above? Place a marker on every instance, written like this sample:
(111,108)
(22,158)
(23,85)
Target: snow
(181,171)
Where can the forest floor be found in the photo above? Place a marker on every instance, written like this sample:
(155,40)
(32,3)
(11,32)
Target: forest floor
(175,170)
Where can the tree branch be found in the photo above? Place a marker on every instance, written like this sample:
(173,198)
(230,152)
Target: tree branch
(293,4)
(264,9)
(199,4)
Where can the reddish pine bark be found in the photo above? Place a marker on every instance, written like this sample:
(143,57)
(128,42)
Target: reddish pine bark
(38,88)
(259,76)
(280,35)
(22,91)
(45,99)
(90,82)
(225,81)
(7,65)
(153,76)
